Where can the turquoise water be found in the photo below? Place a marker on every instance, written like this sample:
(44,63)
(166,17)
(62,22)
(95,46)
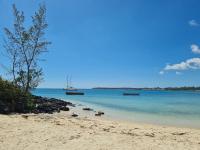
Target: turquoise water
(179,108)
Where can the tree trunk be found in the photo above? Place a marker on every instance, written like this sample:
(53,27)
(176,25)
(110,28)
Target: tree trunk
(28,80)
(13,69)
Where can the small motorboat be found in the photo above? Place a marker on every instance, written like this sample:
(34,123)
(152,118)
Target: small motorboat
(74,93)
(131,94)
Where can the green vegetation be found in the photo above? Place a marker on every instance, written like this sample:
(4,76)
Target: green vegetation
(23,47)
(13,99)
(185,88)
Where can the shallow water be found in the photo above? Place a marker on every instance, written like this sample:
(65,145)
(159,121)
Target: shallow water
(178,108)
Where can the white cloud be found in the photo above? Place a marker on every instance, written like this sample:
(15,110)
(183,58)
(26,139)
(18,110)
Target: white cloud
(195,49)
(180,66)
(161,72)
(193,63)
(193,23)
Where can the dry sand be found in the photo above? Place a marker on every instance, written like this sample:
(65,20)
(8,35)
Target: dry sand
(62,132)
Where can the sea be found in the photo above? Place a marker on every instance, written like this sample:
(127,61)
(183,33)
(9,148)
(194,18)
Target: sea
(171,108)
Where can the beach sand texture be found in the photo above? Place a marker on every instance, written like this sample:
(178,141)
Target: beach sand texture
(62,132)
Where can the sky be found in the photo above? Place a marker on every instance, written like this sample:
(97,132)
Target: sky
(115,43)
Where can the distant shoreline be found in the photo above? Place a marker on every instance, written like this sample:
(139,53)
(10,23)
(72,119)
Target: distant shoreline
(194,89)
(151,89)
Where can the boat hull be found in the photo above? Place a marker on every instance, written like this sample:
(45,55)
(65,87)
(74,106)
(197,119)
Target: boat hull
(131,94)
(74,93)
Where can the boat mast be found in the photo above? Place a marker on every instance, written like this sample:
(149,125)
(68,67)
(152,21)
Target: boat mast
(70,82)
(67,82)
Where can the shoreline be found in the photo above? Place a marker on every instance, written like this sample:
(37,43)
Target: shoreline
(61,131)
(78,110)
(162,108)
(108,116)
(120,115)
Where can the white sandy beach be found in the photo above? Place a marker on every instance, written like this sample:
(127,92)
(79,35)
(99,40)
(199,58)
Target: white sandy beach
(61,132)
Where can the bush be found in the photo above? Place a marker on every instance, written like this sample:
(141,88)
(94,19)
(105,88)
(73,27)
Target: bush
(12,99)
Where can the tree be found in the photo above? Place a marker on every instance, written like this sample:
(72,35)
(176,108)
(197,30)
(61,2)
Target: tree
(24,46)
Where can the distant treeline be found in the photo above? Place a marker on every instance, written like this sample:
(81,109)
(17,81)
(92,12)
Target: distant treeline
(182,88)
(185,88)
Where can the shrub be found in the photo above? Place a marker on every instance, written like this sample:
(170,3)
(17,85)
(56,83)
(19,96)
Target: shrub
(12,99)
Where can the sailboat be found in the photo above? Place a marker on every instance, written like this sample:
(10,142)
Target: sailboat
(69,85)
(70,90)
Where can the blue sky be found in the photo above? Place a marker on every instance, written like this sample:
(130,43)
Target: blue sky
(134,43)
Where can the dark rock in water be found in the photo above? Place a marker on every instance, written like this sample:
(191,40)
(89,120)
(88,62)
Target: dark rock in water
(74,115)
(88,109)
(99,113)
(50,105)
(41,105)
(64,108)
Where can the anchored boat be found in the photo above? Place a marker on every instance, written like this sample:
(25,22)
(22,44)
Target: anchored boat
(71,90)
(74,93)
(131,94)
